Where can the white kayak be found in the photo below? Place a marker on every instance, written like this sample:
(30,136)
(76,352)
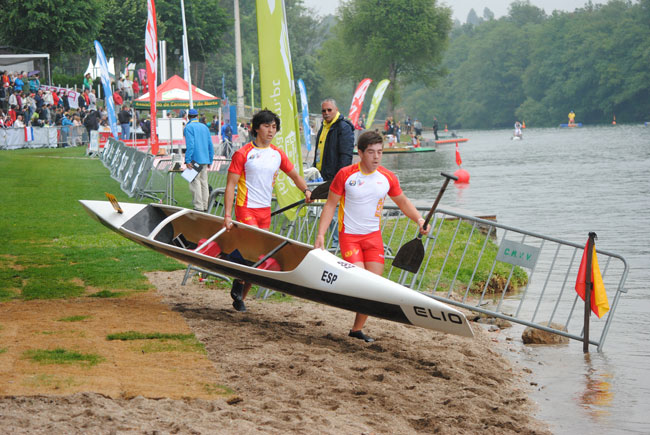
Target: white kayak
(304,272)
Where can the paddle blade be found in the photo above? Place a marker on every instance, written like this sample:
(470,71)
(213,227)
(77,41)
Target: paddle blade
(321,191)
(410,256)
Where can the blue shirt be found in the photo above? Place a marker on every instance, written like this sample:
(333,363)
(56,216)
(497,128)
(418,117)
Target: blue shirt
(198,143)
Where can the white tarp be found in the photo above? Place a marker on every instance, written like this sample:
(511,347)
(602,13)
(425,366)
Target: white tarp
(14,138)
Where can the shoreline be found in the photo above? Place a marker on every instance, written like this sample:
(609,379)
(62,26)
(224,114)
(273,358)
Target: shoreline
(291,368)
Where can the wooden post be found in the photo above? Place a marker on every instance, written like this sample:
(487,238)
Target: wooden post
(589,285)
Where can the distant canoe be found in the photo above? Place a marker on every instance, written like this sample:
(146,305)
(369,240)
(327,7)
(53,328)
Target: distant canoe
(408,150)
(577,124)
(454,140)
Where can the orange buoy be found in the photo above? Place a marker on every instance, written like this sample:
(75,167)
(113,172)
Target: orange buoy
(446,127)
(523,124)
(463,176)
(614,121)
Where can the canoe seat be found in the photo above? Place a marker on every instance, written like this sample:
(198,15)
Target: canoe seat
(212,249)
(269,264)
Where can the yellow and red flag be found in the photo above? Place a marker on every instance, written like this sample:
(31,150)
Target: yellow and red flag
(599,302)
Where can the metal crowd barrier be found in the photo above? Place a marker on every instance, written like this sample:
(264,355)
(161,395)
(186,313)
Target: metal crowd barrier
(486,267)
(129,166)
(43,137)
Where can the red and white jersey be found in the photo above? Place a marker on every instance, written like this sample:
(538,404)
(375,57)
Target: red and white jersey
(362,197)
(257,169)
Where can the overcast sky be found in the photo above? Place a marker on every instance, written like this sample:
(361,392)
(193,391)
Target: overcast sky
(461,8)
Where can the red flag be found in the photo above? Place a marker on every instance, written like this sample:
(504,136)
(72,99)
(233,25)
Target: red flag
(151,56)
(599,302)
(459,161)
(357,101)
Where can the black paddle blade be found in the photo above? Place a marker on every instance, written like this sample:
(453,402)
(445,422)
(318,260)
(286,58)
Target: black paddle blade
(321,191)
(410,256)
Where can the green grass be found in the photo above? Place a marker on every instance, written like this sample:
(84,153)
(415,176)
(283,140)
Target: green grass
(446,238)
(62,356)
(73,319)
(51,248)
(161,342)
(3,350)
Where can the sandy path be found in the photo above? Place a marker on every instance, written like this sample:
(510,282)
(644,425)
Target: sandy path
(292,368)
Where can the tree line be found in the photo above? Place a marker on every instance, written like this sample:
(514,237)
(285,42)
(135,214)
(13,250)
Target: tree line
(528,65)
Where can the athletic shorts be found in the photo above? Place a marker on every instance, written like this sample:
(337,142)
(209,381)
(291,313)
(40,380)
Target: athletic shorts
(362,248)
(257,217)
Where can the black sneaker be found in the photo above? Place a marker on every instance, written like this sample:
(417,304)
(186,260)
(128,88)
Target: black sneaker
(361,336)
(239,306)
(237,290)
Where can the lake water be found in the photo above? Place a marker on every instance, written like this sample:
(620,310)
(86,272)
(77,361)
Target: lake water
(565,183)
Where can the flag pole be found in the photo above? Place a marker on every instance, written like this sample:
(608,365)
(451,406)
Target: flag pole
(186,55)
(589,285)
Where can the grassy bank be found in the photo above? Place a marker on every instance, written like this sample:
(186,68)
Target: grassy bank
(51,248)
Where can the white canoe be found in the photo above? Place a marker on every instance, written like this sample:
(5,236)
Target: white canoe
(308,273)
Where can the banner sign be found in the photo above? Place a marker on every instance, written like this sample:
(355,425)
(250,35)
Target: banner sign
(279,92)
(151,57)
(106,83)
(306,128)
(376,99)
(357,101)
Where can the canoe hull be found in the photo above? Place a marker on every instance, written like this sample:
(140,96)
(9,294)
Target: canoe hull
(317,276)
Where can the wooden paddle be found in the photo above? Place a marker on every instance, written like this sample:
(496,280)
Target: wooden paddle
(320,192)
(410,256)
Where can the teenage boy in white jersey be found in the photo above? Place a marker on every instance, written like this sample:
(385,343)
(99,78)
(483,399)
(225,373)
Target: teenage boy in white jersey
(361,190)
(253,169)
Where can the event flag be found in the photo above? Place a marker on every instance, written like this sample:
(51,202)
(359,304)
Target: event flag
(599,302)
(29,134)
(151,57)
(376,99)
(459,161)
(306,128)
(357,101)
(106,83)
(279,92)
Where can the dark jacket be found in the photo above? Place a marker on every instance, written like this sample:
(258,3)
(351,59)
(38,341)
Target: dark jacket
(339,148)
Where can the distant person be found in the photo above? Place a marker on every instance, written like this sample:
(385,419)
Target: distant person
(124,118)
(518,129)
(435,127)
(572,118)
(361,189)
(198,149)
(335,141)
(417,126)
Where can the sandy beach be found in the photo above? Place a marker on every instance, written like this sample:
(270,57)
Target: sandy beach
(284,367)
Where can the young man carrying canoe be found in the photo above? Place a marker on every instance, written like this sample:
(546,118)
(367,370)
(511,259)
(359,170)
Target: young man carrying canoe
(253,169)
(361,190)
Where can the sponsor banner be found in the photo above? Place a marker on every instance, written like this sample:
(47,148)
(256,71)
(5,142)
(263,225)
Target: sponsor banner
(279,92)
(357,101)
(106,83)
(306,128)
(376,99)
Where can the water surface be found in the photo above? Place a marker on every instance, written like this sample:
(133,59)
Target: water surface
(565,183)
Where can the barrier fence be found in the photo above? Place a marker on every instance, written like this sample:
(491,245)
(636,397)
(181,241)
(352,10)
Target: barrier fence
(483,266)
(43,137)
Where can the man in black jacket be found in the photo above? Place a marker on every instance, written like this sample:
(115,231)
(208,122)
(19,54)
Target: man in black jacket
(335,141)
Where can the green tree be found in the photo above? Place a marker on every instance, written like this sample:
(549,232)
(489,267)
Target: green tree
(52,26)
(122,34)
(394,39)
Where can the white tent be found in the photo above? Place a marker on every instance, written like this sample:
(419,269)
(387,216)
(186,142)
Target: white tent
(9,59)
(90,70)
